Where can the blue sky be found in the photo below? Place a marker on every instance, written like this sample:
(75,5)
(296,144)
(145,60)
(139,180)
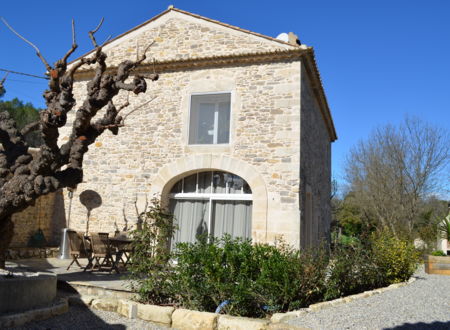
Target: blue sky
(379,60)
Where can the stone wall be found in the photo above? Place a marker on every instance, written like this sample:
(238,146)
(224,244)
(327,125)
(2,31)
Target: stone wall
(315,169)
(264,134)
(178,36)
(47,214)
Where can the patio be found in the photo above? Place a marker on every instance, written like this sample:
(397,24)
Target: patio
(86,283)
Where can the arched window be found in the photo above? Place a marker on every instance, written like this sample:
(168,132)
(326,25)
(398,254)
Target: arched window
(213,203)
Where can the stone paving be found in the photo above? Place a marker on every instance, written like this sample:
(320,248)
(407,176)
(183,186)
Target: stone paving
(104,280)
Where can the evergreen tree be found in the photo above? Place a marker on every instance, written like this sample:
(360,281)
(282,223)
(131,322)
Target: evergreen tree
(23,114)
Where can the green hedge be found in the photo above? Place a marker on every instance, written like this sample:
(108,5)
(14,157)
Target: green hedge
(255,279)
(259,279)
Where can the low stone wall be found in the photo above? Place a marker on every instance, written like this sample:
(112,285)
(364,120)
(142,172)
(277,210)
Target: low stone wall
(15,253)
(185,319)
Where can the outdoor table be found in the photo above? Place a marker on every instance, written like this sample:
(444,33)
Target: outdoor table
(111,249)
(123,246)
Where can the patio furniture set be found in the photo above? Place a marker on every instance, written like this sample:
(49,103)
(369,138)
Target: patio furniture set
(102,252)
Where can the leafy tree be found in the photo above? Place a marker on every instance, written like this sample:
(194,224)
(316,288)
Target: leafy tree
(23,114)
(349,216)
(432,212)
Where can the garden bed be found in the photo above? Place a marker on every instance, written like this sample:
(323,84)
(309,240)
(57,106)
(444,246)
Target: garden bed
(236,277)
(184,319)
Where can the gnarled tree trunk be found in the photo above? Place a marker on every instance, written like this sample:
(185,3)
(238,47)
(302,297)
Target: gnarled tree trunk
(24,178)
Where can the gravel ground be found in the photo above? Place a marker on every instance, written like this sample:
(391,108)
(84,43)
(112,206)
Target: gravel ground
(423,304)
(79,317)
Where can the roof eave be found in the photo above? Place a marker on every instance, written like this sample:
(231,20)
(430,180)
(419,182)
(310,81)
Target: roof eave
(319,91)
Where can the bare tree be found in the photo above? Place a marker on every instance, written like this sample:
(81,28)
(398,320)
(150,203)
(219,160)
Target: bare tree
(396,169)
(24,178)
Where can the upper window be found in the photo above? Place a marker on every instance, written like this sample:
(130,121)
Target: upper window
(210,119)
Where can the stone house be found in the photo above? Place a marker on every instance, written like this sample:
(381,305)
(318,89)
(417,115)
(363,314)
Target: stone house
(236,140)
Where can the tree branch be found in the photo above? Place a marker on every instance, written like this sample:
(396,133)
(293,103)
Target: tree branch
(92,33)
(38,52)
(30,127)
(74,44)
(24,178)
(137,108)
(2,82)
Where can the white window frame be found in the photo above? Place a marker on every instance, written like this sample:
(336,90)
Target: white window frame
(211,196)
(216,119)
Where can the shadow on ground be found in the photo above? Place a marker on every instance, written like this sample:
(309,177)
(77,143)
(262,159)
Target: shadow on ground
(75,273)
(76,318)
(422,326)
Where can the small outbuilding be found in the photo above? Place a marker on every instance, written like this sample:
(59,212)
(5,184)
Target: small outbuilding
(237,137)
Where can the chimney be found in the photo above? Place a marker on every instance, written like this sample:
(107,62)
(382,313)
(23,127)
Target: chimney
(293,39)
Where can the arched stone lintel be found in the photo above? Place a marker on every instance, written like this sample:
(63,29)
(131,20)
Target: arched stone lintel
(168,175)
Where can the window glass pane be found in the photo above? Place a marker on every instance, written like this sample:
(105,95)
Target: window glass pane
(224,123)
(247,189)
(190,183)
(204,182)
(201,126)
(205,127)
(209,119)
(222,183)
(235,184)
(177,188)
(219,183)
(193,123)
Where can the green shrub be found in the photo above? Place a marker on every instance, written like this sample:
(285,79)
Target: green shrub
(150,270)
(351,270)
(289,279)
(259,279)
(396,259)
(255,279)
(348,240)
(438,253)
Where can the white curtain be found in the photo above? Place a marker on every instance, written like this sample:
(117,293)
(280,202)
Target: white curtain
(191,218)
(232,217)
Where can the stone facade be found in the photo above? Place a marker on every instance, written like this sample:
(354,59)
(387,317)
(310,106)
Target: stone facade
(179,35)
(47,214)
(315,168)
(277,129)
